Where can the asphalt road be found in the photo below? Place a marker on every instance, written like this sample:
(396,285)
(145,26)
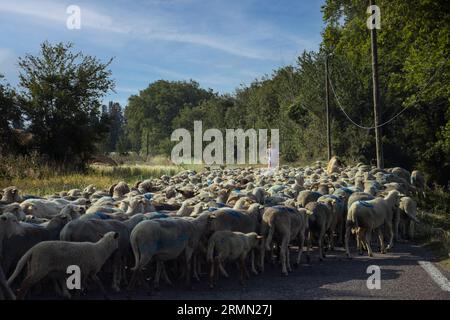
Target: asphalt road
(402,277)
(336,278)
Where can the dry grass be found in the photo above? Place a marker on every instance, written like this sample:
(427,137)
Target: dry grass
(100,176)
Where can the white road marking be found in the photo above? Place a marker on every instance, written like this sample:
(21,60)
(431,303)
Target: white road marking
(436,275)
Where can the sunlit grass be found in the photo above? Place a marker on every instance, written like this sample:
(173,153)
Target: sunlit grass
(100,176)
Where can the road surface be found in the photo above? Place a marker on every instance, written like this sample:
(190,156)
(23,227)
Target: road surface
(402,277)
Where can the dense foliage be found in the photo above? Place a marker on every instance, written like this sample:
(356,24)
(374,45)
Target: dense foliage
(414,81)
(62,90)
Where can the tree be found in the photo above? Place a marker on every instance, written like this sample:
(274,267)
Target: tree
(62,92)
(10,119)
(113,115)
(150,115)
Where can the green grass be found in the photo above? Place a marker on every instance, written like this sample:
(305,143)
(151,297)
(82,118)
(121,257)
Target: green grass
(100,176)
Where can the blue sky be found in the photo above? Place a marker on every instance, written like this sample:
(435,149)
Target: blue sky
(220,44)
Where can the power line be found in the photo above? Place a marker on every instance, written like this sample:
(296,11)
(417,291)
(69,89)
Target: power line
(395,116)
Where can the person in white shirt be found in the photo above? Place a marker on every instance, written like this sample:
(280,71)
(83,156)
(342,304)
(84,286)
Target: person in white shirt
(272,158)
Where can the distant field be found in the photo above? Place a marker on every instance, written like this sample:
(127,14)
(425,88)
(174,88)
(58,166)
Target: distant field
(98,175)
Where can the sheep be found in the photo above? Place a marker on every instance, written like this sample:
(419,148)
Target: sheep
(334,165)
(161,239)
(54,257)
(15,246)
(287,224)
(405,218)
(229,245)
(5,290)
(15,209)
(119,190)
(41,208)
(418,181)
(236,220)
(74,211)
(90,230)
(307,196)
(10,195)
(319,223)
(337,207)
(366,216)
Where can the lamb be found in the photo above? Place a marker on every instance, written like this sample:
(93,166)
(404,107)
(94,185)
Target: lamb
(90,230)
(366,216)
(54,257)
(229,245)
(319,223)
(15,246)
(286,224)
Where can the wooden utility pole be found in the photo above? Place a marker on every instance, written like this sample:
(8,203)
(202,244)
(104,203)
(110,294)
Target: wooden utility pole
(376,95)
(327,105)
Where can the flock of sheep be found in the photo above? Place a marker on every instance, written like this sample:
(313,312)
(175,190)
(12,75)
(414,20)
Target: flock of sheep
(193,224)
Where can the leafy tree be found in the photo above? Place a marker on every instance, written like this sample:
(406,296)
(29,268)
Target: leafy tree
(61,98)
(10,118)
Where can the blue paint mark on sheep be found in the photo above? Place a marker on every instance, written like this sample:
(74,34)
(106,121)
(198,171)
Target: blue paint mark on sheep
(365,204)
(347,190)
(211,209)
(155,215)
(221,205)
(102,216)
(148,195)
(235,214)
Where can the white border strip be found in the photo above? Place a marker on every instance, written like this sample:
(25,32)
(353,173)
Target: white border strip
(436,275)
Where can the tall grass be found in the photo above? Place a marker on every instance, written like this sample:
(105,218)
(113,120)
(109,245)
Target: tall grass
(33,175)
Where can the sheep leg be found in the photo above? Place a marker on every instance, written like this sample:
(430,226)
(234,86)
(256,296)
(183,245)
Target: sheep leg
(8,294)
(411,230)
(381,238)
(348,231)
(368,244)
(211,274)
(396,223)
(262,252)
(301,242)
(195,268)
(391,235)
(252,257)
(157,275)
(222,269)
(242,267)
(165,276)
(308,246)
(27,283)
(100,285)
(321,253)
(188,256)
(283,257)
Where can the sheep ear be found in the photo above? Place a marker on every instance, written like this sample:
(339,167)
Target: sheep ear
(116,235)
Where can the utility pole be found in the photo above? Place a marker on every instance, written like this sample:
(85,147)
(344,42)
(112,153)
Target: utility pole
(327,105)
(376,94)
